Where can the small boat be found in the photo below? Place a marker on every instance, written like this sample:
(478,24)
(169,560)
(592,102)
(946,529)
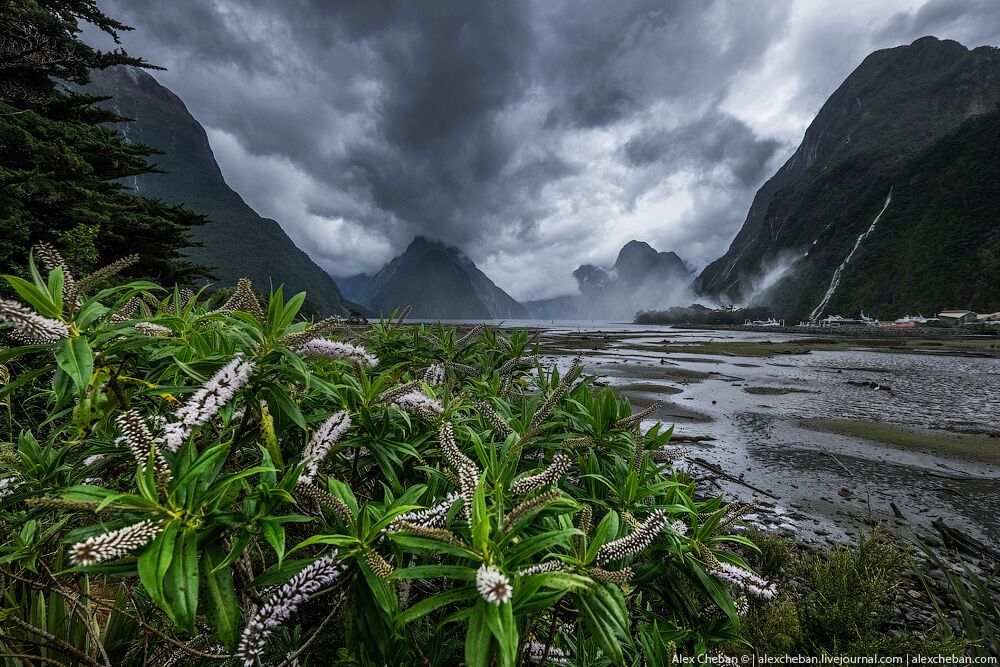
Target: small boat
(838,321)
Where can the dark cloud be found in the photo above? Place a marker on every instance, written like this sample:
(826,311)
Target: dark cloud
(538,136)
(978,21)
(714,139)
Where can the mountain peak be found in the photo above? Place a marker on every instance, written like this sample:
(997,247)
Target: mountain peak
(932,42)
(437,281)
(420,241)
(641,279)
(640,263)
(633,250)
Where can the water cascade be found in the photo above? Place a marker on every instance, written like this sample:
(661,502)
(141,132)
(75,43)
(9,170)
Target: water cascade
(835,281)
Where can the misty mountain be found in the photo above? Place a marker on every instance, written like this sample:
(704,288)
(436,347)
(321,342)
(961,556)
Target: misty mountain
(640,279)
(437,281)
(823,234)
(236,241)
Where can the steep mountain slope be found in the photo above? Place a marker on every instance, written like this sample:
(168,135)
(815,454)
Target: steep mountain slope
(861,145)
(935,246)
(236,241)
(641,279)
(437,281)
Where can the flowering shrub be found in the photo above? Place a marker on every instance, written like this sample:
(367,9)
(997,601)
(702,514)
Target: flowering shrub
(194,486)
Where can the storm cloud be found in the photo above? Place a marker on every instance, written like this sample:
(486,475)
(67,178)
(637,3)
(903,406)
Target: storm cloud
(537,136)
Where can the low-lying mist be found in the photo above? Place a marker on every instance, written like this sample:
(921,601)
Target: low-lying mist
(615,298)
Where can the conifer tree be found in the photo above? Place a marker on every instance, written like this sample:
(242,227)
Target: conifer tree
(60,166)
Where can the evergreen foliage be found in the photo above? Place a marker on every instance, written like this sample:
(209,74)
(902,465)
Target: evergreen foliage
(59,165)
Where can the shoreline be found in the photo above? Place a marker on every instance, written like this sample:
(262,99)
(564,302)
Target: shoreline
(744,403)
(929,333)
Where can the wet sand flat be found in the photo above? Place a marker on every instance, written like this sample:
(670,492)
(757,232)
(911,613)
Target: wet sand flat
(795,416)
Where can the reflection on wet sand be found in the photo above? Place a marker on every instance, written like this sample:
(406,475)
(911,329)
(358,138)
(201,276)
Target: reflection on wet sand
(844,432)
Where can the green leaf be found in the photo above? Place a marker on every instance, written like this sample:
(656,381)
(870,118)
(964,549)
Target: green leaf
(610,597)
(284,404)
(500,619)
(19,351)
(239,546)
(566,581)
(274,533)
(220,594)
(75,358)
(290,310)
(417,542)
(88,313)
(154,562)
(716,590)
(478,638)
(383,593)
(279,575)
(343,492)
(480,517)
(22,379)
(62,386)
(540,542)
(607,528)
(207,459)
(537,601)
(595,617)
(36,297)
(181,581)
(435,602)
(55,285)
(434,571)
(342,541)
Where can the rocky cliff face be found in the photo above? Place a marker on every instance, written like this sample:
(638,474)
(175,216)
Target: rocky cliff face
(437,281)
(897,105)
(236,241)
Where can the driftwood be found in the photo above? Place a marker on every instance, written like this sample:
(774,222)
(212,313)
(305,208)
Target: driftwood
(837,461)
(691,438)
(953,478)
(711,467)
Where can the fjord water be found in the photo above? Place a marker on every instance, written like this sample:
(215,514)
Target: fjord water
(827,485)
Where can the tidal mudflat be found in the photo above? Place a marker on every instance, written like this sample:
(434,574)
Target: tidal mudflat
(830,434)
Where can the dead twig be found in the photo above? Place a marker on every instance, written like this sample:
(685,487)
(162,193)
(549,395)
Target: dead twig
(711,467)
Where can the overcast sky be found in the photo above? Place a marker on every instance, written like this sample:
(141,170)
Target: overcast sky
(536,136)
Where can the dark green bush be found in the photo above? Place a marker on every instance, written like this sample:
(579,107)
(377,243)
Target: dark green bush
(849,591)
(194,484)
(834,602)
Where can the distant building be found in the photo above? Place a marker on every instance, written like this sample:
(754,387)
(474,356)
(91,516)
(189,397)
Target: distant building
(957,316)
(989,318)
